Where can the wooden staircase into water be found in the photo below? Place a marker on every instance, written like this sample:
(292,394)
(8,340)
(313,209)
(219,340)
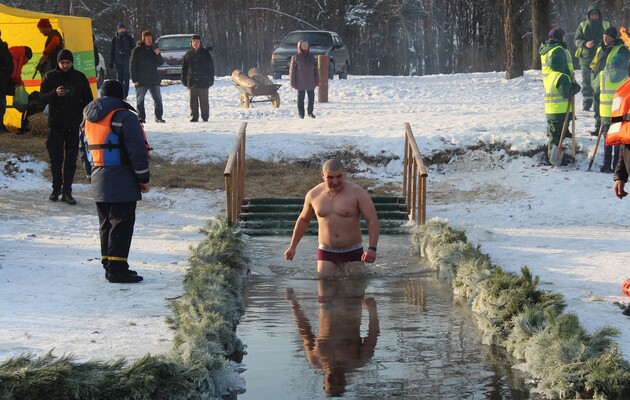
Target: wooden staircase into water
(276,216)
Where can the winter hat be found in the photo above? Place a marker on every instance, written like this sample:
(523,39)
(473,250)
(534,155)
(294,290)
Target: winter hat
(611,31)
(195,37)
(44,23)
(556,33)
(28,53)
(65,54)
(146,33)
(112,88)
(121,25)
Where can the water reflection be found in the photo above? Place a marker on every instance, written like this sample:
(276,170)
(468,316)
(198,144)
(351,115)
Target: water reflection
(338,348)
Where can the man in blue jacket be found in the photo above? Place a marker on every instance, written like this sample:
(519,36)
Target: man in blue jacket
(115,157)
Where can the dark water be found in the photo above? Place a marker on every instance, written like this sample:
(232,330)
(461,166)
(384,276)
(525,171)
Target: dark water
(396,335)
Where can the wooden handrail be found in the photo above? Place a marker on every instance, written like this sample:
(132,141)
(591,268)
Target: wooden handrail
(414,179)
(234,175)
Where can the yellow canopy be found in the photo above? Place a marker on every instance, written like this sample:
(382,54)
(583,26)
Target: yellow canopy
(19,28)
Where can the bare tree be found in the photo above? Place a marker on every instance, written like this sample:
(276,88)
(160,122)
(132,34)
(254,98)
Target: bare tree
(540,27)
(512,9)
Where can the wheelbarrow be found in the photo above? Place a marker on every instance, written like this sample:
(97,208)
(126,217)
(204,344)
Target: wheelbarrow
(269,92)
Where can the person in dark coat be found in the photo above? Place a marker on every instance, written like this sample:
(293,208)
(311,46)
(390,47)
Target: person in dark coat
(115,156)
(67,92)
(145,58)
(198,76)
(303,76)
(6,70)
(119,55)
(54,44)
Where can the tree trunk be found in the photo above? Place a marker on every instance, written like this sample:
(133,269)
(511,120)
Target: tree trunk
(540,28)
(513,41)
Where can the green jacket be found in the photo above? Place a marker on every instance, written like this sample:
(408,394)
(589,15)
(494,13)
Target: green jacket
(589,30)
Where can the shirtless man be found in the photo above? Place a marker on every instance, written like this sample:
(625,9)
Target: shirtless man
(338,205)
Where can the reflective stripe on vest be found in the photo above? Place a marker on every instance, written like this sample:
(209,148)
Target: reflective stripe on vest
(619,131)
(545,61)
(102,143)
(607,94)
(555,103)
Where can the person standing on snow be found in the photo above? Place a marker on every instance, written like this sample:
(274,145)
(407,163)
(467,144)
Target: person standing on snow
(559,87)
(554,51)
(303,77)
(54,44)
(610,46)
(67,92)
(6,70)
(145,58)
(588,36)
(114,153)
(198,76)
(120,54)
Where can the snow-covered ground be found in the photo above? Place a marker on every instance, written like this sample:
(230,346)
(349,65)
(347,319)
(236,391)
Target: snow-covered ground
(563,223)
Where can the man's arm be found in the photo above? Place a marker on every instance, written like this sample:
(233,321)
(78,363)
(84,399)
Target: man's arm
(368,212)
(301,225)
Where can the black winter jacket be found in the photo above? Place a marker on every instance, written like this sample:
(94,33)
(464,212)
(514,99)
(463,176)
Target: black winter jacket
(143,65)
(120,50)
(198,69)
(6,68)
(66,111)
(117,184)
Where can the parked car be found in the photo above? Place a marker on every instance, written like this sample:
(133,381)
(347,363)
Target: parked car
(322,43)
(101,70)
(173,48)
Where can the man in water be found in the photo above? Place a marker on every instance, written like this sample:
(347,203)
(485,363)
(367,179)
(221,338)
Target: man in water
(338,205)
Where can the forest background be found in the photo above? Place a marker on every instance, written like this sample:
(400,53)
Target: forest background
(385,37)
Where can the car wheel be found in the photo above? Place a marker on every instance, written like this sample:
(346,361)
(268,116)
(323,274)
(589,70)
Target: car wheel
(277,75)
(244,100)
(344,72)
(275,100)
(331,70)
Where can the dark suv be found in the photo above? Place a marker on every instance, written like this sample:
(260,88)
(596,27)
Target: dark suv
(322,43)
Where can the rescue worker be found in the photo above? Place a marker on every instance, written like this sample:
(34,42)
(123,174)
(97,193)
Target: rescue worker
(588,36)
(554,51)
(610,79)
(115,156)
(559,88)
(608,48)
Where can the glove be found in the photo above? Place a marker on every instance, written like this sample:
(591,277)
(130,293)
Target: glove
(575,88)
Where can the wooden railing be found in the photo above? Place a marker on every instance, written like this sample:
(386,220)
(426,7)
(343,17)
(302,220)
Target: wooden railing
(234,175)
(414,179)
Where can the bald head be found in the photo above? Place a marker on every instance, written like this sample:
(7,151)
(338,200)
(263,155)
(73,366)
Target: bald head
(333,164)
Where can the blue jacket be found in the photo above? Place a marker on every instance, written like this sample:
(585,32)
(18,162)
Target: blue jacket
(117,184)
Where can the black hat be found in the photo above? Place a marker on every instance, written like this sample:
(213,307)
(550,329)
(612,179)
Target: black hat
(195,37)
(121,25)
(112,88)
(28,52)
(65,54)
(612,32)
(556,33)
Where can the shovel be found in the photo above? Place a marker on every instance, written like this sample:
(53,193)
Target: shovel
(599,135)
(557,152)
(573,130)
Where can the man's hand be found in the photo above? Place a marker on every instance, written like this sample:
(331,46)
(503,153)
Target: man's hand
(289,254)
(135,84)
(590,44)
(619,192)
(144,187)
(369,256)
(61,91)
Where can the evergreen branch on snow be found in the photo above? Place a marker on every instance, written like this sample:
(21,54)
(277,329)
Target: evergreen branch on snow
(528,322)
(204,320)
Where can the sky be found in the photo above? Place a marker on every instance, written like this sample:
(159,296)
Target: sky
(564,223)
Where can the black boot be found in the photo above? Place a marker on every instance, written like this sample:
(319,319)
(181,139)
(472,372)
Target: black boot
(67,198)
(124,276)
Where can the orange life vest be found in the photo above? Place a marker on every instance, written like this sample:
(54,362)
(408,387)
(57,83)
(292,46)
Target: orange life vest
(619,131)
(103,144)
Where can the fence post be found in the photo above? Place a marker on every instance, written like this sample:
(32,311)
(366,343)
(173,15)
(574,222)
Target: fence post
(322,69)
